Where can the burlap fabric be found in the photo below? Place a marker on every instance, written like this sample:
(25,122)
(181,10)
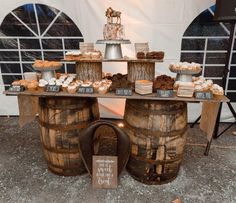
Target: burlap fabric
(28,108)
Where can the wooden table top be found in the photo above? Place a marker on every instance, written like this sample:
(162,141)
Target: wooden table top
(152,96)
(116,60)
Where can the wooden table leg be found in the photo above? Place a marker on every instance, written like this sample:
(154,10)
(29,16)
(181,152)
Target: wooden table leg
(208,121)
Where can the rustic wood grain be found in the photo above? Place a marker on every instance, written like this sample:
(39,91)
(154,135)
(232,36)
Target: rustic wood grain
(89,71)
(141,71)
(157,131)
(153,96)
(61,121)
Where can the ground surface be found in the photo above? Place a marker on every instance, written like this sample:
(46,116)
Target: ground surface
(24,176)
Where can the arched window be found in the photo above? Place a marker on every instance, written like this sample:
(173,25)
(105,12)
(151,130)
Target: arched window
(206,42)
(35,31)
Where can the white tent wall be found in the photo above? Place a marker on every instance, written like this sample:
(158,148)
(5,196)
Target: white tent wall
(160,22)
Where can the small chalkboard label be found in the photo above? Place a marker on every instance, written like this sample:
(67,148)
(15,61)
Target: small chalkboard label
(203,95)
(104,172)
(85,90)
(165,93)
(16,88)
(52,88)
(124,91)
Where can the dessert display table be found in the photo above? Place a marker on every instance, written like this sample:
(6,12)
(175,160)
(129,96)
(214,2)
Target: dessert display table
(113,48)
(156,125)
(208,114)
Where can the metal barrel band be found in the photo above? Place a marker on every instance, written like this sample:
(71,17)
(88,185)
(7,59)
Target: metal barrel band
(140,109)
(151,161)
(62,127)
(63,151)
(155,133)
(65,107)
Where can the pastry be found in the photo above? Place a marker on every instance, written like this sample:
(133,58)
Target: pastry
(41,87)
(163,82)
(143,86)
(102,89)
(185,66)
(73,55)
(64,87)
(217,90)
(86,83)
(96,85)
(72,88)
(46,64)
(140,55)
(32,85)
(17,82)
(96,55)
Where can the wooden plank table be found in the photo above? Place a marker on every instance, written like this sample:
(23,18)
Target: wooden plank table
(209,112)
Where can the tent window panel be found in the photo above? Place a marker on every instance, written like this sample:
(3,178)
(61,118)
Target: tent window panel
(63,28)
(214,71)
(10,68)
(190,57)
(27,15)
(46,14)
(215,58)
(217,44)
(53,55)
(8,44)
(61,70)
(231,96)
(70,68)
(232,71)
(27,67)
(72,43)
(12,27)
(233,58)
(29,44)
(30,55)
(193,44)
(203,25)
(8,79)
(217,81)
(52,43)
(25,31)
(234,44)
(9,56)
(231,84)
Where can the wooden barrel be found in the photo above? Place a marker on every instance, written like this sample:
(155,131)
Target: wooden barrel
(61,120)
(157,131)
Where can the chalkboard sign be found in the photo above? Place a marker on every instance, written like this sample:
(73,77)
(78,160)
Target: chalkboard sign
(165,93)
(85,90)
(104,172)
(52,88)
(16,88)
(124,91)
(203,95)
